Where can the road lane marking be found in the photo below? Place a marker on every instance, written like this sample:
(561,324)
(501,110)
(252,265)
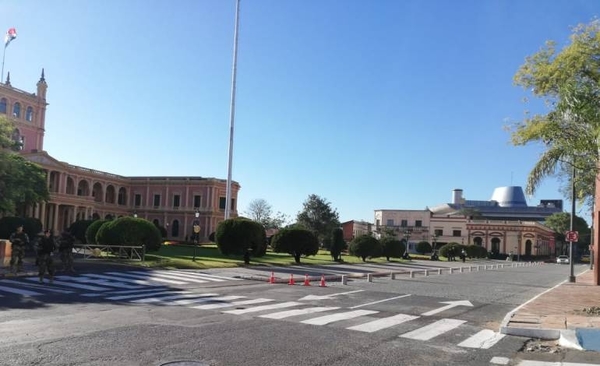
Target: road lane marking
(484,339)
(169,276)
(19,291)
(208,299)
(127,297)
(74,285)
(170,297)
(37,286)
(99,282)
(124,292)
(295,312)
(148,278)
(322,320)
(377,302)
(255,309)
(121,279)
(235,303)
(383,323)
(433,330)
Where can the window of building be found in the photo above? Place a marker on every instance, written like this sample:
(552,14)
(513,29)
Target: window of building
(29,114)
(222,202)
(197,201)
(438,232)
(232,204)
(17,110)
(377,223)
(418,223)
(176,200)
(137,201)
(156,200)
(404,223)
(456,233)
(3,105)
(390,222)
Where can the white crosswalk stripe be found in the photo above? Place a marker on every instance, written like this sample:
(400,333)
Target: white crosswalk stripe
(383,323)
(99,282)
(133,296)
(18,291)
(484,339)
(148,276)
(327,319)
(73,285)
(166,275)
(296,312)
(209,299)
(263,307)
(230,304)
(125,292)
(41,287)
(433,330)
(207,276)
(170,297)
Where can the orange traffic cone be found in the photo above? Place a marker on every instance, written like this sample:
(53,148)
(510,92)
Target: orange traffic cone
(322,284)
(306,280)
(292,282)
(272,278)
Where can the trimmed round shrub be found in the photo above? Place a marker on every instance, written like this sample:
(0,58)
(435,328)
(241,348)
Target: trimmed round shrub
(79,228)
(476,251)
(296,242)
(130,231)
(236,236)
(423,247)
(365,246)
(392,247)
(92,230)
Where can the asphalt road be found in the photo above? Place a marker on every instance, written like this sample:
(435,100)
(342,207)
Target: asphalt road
(130,318)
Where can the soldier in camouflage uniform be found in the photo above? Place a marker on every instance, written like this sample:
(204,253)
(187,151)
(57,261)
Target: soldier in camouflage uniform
(65,247)
(45,253)
(19,240)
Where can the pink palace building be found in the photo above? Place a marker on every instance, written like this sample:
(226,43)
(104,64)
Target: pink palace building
(83,193)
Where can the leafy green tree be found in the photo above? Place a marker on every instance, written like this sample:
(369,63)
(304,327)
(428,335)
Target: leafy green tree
(296,242)
(128,230)
(318,216)
(365,246)
(423,247)
(568,81)
(392,247)
(337,244)
(9,224)
(236,236)
(561,223)
(261,211)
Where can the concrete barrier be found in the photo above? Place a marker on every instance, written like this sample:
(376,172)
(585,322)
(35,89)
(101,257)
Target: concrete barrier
(412,274)
(344,280)
(392,276)
(369,277)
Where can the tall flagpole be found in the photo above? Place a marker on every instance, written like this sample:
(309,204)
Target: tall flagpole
(232,111)
(3,55)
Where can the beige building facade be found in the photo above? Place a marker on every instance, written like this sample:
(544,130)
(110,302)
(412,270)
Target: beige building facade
(83,193)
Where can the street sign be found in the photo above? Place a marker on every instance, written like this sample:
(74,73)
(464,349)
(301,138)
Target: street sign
(572,236)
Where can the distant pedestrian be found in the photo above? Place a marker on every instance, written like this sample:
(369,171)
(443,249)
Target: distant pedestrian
(66,242)
(45,252)
(463,255)
(19,241)
(451,254)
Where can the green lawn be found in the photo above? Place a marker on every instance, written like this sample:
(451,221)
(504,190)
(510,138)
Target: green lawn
(208,256)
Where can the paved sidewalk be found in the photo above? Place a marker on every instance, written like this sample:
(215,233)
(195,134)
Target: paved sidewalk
(559,314)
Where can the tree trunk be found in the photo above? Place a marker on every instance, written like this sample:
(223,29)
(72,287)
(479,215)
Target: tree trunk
(297,257)
(364,259)
(388,258)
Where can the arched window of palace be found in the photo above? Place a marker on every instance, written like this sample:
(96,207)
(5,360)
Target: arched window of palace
(495,245)
(70,186)
(478,241)
(29,114)
(110,194)
(17,110)
(97,192)
(122,196)
(3,105)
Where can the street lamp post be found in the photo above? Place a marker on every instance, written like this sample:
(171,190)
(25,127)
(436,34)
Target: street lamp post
(407,237)
(196,226)
(434,256)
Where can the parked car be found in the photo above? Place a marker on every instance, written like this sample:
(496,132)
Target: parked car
(562,259)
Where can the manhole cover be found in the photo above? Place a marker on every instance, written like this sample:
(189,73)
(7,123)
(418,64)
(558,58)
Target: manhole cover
(185,363)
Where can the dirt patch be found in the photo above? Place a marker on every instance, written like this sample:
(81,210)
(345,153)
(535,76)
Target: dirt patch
(542,346)
(591,311)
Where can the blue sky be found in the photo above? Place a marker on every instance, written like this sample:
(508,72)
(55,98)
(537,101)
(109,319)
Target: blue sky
(370,104)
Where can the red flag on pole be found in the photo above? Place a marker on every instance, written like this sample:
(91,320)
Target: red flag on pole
(10,35)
